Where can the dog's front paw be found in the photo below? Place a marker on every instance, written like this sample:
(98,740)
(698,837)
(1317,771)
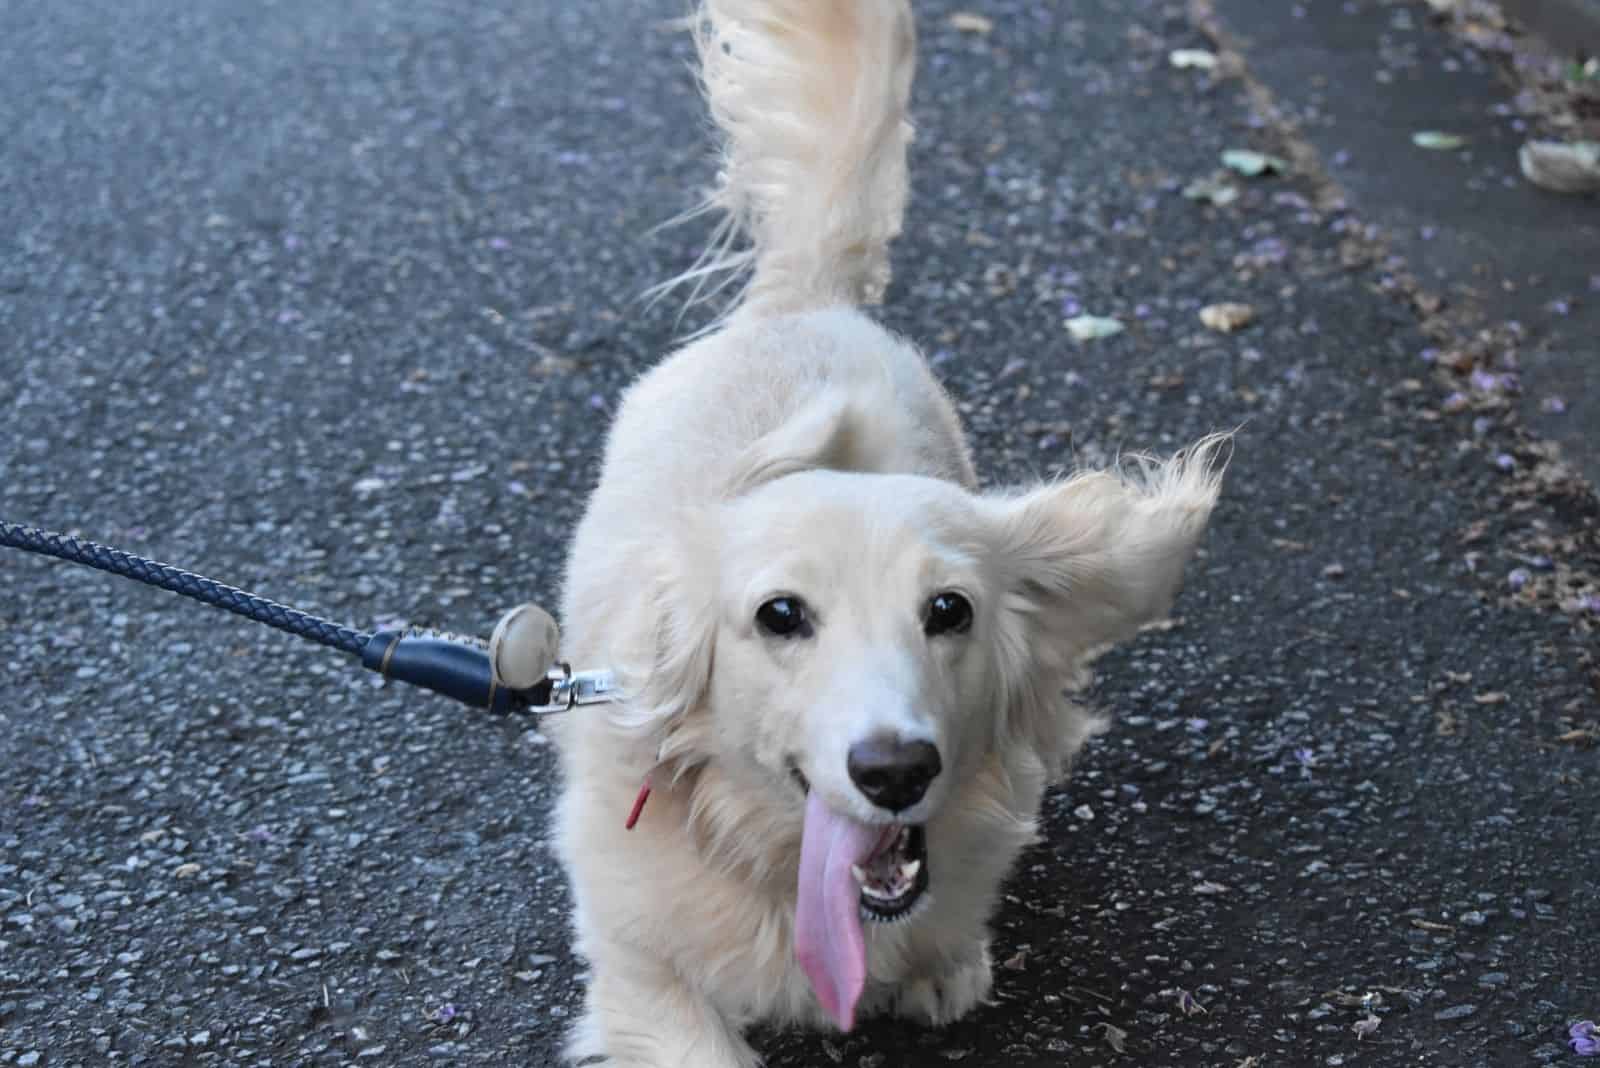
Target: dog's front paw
(639,1014)
(943,999)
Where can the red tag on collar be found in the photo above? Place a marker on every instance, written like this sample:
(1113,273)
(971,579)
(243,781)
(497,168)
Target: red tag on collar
(638,803)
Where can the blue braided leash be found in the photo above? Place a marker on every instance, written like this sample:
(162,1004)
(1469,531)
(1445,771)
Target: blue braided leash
(448,664)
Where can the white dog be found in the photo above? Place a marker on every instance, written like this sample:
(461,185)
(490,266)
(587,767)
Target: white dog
(844,666)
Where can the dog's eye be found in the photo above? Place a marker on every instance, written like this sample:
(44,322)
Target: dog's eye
(785,617)
(948,613)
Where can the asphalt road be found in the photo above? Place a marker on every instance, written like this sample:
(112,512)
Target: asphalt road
(332,301)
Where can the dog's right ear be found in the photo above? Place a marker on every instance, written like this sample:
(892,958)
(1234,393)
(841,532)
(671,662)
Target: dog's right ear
(680,618)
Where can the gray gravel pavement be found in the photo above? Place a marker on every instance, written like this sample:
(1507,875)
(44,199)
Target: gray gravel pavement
(1360,82)
(332,301)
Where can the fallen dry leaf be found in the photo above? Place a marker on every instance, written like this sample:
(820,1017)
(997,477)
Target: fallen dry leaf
(1253,164)
(1093,327)
(1437,141)
(1562,168)
(184,871)
(1115,1036)
(1492,697)
(1215,190)
(971,22)
(1429,925)
(1228,316)
(1197,58)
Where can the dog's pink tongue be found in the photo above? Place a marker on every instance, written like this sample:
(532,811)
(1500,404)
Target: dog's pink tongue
(827,922)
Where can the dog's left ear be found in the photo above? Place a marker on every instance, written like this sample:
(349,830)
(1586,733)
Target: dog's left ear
(1085,563)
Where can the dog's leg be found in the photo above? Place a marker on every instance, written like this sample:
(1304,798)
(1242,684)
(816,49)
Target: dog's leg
(945,996)
(640,1014)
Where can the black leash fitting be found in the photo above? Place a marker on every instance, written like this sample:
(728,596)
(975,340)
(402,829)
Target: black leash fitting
(447,664)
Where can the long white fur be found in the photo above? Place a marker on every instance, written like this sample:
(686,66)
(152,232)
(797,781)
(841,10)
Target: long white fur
(801,446)
(811,97)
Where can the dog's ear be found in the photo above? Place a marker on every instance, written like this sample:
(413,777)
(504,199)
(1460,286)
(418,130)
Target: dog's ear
(679,615)
(1085,563)
(829,432)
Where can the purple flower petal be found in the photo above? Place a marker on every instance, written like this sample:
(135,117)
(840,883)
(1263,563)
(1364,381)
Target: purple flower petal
(1584,1038)
(1014,366)
(1517,579)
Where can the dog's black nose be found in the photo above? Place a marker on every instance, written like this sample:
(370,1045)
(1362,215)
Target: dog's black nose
(893,772)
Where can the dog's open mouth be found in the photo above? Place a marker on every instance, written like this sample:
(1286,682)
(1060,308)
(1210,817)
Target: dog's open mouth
(895,877)
(851,872)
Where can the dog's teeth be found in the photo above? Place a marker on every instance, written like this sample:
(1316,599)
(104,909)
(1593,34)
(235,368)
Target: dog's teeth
(908,870)
(859,873)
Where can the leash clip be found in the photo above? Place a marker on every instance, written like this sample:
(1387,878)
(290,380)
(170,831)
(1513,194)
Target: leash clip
(570,689)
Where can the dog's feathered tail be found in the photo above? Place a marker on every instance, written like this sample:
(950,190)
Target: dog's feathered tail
(810,97)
